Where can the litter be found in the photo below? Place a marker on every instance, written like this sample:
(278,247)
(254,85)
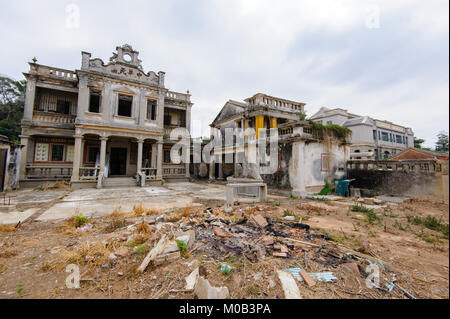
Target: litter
(290,287)
(321,276)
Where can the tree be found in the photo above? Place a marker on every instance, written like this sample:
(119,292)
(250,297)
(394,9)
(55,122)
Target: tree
(418,142)
(12,100)
(442,142)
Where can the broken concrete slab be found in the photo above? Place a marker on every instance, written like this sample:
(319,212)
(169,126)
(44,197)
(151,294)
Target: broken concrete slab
(289,285)
(204,290)
(192,279)
(259,221)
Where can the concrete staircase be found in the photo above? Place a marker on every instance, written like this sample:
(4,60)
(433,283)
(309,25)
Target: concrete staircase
(119,182)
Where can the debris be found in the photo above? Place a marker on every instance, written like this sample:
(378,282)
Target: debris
(323,276)
(309,281)
(112,256)
(289,218)
(153,253)
(259,221)
(281,248)
(204,290)
(290,287)
(192,279)
(219,232)
(225,269)
(202,272)
(352,268)
(282,255)
(257,276)
(122,252)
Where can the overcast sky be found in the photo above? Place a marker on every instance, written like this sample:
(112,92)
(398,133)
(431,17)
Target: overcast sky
(385,59)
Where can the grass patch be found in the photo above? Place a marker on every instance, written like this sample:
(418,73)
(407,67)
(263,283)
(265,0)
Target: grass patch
(184,252)
(372,218)
(294,197)
(430,222)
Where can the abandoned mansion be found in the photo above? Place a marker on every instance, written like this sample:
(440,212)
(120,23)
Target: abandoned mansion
(104,124)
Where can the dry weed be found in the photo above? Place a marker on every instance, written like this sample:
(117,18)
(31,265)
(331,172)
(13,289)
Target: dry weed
(7,229)
(87,253)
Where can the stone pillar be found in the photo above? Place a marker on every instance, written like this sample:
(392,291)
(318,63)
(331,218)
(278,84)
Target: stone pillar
(221,170)
(212,170)
(188,118)
(139,155)
(159,160)
(23,156)
(154,154)
(297,171)
(83,97)
(29,99)
(103,141)
(76,158)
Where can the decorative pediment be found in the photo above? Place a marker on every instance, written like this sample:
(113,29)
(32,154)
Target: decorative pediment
(124,64)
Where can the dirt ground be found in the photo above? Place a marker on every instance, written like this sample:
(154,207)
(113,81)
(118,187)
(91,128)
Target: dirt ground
(34,256)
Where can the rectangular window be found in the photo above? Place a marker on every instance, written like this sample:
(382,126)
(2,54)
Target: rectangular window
(92,154)
(374,134)
(94,101)
(379,135)
(167,156)
(385,136)
(57,152)
(151,110)
(398,139)
(41,152)
(125,105)
(63,106)
(329,122)
(69,153)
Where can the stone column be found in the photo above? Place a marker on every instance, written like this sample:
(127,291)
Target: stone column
(221,170)
(139,155)
(29,99)
(212,170)
(159,160)
(76,158)
(154,154)
(23,156)
(83,98)
(297,173)
(103,141)
(188,119)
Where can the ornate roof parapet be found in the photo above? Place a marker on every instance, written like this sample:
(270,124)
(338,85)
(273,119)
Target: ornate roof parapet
(124,64)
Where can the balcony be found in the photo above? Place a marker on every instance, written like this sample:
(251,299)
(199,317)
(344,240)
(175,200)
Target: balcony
(178,96)
(54,72)
(53,117)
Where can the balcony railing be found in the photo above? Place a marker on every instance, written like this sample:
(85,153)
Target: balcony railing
(89,173)
(174,170)
(178,96)
(48,172)
(55,72)
(149,173)
(53,117)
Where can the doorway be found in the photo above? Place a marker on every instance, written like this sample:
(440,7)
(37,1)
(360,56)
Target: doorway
(3,157)
(118,161)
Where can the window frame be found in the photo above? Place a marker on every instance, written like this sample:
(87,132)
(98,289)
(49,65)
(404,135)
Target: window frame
(99,94)
(130,96)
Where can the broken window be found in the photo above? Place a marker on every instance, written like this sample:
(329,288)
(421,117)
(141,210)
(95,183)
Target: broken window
(94,101)
(63,106)
(151,110)
(57,152)
(125,105)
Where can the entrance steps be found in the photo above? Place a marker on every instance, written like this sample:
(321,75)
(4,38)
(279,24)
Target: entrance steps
(119,182)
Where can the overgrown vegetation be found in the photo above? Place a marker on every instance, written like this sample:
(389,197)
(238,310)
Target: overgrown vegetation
(430,222)
(328,189)
(372,218)
(337,131)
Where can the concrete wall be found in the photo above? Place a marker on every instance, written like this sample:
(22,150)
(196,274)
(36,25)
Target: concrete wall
(301,165)
(413,182)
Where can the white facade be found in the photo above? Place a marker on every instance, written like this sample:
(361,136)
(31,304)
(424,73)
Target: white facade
(371,138)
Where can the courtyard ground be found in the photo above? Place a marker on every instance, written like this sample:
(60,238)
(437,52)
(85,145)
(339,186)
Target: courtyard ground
(241,248)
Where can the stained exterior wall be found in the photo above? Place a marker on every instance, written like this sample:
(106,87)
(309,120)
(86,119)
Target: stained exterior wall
(414,181)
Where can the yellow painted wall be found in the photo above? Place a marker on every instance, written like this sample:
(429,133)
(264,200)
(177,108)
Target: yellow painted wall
(259,124)
(273,122)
